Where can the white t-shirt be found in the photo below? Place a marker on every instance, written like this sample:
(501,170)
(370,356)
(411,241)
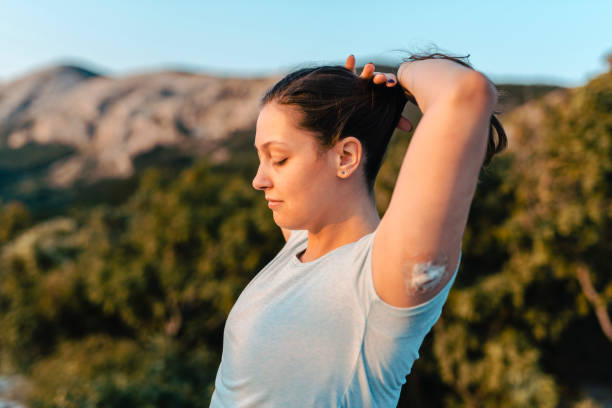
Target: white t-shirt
(316,334)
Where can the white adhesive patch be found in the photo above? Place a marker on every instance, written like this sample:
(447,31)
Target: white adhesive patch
(425,276)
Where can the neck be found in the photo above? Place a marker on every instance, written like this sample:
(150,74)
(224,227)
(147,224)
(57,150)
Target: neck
(349,225)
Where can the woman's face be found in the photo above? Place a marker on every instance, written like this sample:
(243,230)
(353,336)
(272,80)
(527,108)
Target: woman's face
(290,170)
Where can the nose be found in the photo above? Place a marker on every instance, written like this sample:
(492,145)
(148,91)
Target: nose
(261,181)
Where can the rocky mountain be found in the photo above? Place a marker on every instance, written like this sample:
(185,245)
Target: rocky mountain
(98,125)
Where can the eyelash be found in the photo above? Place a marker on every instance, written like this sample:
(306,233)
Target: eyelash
(280,163)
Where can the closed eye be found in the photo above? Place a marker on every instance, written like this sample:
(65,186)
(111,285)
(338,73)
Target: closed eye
(280,163)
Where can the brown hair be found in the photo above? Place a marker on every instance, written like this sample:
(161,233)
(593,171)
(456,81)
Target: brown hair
(335,103)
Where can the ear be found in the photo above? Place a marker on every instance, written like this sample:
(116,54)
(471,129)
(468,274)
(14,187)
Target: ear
(348,156)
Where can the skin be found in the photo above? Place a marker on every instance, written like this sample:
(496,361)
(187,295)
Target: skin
(334,207)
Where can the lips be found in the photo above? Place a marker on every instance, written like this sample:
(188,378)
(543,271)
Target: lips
(274,203)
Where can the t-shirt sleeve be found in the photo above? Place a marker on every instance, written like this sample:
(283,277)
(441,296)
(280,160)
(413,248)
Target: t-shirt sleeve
(402,321)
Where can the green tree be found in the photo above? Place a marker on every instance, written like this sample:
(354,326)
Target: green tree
(14,218)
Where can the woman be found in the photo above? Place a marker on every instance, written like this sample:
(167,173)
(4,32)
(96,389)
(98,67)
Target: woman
(336,319)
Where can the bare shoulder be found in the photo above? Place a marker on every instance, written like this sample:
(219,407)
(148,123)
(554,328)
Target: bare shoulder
(286,233)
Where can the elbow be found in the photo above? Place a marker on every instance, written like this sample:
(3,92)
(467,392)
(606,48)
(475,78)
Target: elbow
(475,88)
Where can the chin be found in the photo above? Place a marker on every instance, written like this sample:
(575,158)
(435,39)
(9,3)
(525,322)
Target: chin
(281,223)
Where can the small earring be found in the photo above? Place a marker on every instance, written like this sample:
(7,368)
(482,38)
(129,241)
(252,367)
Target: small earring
(342,172)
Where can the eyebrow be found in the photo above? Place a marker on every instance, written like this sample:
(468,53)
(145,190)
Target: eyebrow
(270,142)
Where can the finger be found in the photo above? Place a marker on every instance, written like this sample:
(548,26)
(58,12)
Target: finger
(350,63)
(404,124)
(368,71)
(379,78)
(391,80)
(385,78)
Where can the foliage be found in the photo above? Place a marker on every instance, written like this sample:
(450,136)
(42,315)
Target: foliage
(101,371)
(14,218)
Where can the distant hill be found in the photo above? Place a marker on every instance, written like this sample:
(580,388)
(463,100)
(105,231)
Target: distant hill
(512,95)
(64,125)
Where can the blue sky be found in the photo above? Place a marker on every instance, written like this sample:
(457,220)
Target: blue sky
(560,42)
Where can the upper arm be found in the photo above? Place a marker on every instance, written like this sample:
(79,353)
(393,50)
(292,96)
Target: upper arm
(428,211)
(286,233)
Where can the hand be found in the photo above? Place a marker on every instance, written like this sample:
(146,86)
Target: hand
(368,72)
(378,78)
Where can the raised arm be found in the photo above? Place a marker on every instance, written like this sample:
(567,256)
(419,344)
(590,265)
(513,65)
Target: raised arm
(416,247)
